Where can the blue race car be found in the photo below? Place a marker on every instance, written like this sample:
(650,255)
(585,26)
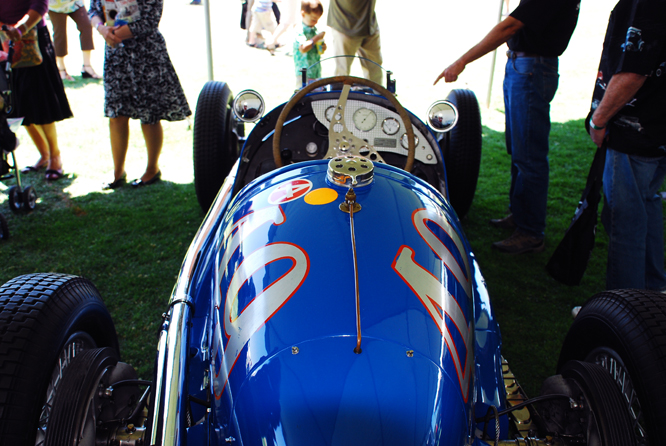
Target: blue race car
(330,297)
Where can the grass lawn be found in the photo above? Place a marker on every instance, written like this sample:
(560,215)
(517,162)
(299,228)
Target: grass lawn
(131,243)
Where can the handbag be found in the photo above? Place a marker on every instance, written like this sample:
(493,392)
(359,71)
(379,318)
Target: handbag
(569,261)
(25,52)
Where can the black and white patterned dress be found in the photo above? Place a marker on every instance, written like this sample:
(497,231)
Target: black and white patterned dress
(139,79)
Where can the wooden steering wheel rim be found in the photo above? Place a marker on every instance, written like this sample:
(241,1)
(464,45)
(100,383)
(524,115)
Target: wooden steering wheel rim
(347,80)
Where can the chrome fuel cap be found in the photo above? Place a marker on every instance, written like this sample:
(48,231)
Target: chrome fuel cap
(350,170)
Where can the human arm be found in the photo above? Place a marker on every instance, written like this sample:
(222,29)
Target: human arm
(107,32)
(29,20)
(621,89)
(309,44)
(501,33)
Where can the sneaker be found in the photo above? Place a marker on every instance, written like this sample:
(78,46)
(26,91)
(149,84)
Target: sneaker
(504,223)
(520,243)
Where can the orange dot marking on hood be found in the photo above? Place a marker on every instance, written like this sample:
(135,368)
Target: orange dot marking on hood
(321,196)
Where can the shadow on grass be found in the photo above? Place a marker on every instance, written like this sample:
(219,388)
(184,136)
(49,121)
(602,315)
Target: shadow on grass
(129,243)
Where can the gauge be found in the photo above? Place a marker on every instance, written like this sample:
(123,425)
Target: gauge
(329,113)
(365,119)
(405,142)
(390,126)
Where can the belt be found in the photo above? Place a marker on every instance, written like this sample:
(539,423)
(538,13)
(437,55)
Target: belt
(515,54)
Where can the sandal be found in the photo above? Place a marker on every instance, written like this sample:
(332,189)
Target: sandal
(116,183)
(140,183)
(87,72)
(35,168)
(65,76)
(53,174)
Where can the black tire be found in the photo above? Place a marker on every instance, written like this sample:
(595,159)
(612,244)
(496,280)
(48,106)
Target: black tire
(29,199)
(462,152)
(215,141)
(45,320)
(15,202)
(625,332)
(4,228)
(78,404)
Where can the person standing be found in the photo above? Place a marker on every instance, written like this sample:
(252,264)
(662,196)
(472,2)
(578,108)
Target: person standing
(58,12)
(537,33)
(38,94)
(262,19)
(628,112)
(355,30)
(139,83)
(309,43)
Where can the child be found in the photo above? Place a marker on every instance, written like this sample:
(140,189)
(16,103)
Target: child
(309,45)
(262,19)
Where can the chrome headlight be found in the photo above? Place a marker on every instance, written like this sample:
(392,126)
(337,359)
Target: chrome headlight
(442,116)
(248,106)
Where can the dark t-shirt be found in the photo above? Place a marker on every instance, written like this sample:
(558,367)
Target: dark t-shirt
(549,25)
(636,43)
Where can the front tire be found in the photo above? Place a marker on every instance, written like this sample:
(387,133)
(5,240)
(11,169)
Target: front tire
(462,152)
(45,321)
(625,332)
(215,141)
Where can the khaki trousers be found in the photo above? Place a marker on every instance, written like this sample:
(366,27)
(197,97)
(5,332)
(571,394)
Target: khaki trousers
(368,47)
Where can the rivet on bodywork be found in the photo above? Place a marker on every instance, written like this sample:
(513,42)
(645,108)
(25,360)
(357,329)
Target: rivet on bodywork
(294,350)
(410,353)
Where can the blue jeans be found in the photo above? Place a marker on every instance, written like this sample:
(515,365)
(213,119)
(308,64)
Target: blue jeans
(530,84)
(632,217)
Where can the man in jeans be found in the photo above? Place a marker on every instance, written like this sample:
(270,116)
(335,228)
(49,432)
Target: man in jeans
(628,108)
(537,33)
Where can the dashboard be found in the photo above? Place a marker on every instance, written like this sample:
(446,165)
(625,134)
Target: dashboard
(378,126)
(368,117)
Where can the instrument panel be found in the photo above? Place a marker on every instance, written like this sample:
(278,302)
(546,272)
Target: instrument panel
(376,125)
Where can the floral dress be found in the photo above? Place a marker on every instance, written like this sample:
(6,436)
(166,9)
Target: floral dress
(139,79)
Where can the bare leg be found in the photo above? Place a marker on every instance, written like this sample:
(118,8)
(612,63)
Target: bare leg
(60,61)
(87,67)
(153,135)
(119,132)
(51,135)
(39,139)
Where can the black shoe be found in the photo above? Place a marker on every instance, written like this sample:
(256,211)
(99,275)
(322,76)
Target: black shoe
(520,243)
(117,183)
(153,180)
(504,223)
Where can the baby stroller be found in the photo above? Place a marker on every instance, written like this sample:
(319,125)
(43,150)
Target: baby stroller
(19,199)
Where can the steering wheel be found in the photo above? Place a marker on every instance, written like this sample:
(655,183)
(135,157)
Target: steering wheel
(342,141)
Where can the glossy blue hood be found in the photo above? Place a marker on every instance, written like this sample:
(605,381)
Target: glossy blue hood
(380,397)
(285,322)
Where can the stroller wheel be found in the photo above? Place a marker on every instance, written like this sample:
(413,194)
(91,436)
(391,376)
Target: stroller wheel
(4,229)
(29,198)
(15,199)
